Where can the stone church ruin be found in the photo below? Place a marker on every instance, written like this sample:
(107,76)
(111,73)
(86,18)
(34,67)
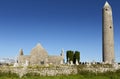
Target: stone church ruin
(39,56)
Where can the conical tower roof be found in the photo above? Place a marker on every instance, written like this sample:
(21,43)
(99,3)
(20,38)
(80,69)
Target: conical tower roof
(106,5)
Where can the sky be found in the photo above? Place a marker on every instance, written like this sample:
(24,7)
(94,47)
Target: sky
(56,24)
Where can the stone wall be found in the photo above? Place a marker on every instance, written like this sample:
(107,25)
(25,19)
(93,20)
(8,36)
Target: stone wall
(58,70)
(56,60)
(42,71)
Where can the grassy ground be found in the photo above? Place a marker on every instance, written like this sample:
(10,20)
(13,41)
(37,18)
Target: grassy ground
(60,77)
(80,75)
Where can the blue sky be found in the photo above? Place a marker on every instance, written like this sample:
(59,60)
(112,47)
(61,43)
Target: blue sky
(56,24)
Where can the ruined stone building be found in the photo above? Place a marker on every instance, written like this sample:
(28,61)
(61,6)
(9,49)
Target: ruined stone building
(39,56)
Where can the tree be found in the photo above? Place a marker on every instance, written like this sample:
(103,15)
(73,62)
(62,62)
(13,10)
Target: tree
(76,56)
(67,55)
(70,55)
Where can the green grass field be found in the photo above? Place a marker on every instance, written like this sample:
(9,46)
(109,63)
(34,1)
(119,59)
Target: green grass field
(80,75)
(61,77)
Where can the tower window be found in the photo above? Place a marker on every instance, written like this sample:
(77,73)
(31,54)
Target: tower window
(110,27)
(106,9)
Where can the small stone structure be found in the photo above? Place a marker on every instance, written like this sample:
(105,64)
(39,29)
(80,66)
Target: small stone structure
(39,56)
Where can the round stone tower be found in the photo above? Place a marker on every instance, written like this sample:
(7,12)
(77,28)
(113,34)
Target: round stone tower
(107,34)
